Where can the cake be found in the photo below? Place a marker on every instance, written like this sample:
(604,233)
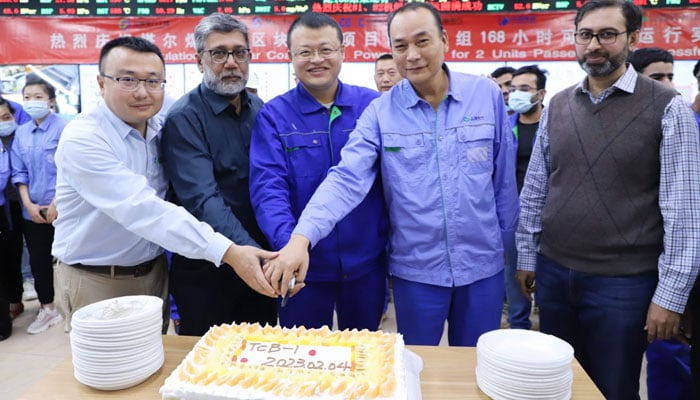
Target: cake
(248,362)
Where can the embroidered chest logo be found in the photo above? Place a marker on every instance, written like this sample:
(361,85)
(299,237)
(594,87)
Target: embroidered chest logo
(473,118)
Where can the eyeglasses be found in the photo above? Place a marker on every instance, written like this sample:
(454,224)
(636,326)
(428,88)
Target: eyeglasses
(221,56)
(323,52)
(521,88)
(130,84)
(604,37)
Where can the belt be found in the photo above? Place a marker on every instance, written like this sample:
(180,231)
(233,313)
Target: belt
(116,270)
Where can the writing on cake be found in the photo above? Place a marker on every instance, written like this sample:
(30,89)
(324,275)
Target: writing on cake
(285,355)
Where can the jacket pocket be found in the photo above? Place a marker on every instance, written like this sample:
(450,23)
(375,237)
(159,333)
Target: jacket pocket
(475,145)
(307,154)
(405,154)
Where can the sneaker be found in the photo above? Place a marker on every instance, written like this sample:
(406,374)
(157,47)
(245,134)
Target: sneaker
(44,320)
(29,292)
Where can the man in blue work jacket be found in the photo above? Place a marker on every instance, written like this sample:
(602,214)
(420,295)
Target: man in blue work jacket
(442,144)
(296,139)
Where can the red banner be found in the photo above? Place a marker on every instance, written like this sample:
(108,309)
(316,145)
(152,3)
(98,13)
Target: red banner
(537,36)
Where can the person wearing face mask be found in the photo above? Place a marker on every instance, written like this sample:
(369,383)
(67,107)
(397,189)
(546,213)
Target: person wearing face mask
(10,227)
(7,127)
(34,175)
(20,115)
(12,241)
(526,94)
(14,253)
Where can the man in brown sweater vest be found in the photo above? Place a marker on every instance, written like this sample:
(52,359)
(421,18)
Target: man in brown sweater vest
(610,213)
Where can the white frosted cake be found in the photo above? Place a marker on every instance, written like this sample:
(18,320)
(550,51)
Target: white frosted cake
(247,362)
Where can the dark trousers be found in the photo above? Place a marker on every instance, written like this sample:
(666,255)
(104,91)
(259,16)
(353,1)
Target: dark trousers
(694,305)
(602,317)
(208,295)
(39,239)
(358,303)
(519,306)
(668,370)
(11,251)
(5,320)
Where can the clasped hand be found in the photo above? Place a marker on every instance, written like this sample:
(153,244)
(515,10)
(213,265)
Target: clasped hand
(292,262)
(278,268)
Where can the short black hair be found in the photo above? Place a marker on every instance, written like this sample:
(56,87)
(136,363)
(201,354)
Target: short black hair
(541,74)
(4,102)
(696,69)
(138,44)
(641,58)
(631,12)
(413,7)
(314,20)
(385,56)
(502,71)
(34,80)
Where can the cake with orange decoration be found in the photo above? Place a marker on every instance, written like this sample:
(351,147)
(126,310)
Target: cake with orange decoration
(248,362)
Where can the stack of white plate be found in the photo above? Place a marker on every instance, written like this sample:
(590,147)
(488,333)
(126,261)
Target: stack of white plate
(117,343)
(524,365)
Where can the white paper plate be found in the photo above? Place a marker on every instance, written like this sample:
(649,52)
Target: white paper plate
(118,311)
(525,347)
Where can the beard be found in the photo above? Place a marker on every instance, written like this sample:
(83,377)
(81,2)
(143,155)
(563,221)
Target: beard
(610,65)
(223,88)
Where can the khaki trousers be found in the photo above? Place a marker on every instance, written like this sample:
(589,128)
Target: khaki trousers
(77,287)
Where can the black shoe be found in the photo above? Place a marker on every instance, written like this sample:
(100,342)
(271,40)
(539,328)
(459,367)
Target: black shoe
(5,320)
(5,333)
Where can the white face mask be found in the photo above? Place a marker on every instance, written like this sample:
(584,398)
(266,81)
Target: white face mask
(7,127)
(519,101)
(36,108)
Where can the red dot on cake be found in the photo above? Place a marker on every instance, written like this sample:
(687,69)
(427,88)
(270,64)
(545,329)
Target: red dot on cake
(312,352)
(244,359)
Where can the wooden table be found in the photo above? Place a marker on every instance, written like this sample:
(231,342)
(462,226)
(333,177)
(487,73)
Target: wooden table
(448,373)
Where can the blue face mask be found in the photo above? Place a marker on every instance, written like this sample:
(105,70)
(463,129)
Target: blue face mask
(36,108)
(520,101)
(7,127)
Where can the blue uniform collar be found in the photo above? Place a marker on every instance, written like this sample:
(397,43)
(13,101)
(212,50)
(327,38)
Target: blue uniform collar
(44,126)
(308,104)
(410,98)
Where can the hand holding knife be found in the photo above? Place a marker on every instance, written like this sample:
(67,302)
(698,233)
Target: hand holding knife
(291,285)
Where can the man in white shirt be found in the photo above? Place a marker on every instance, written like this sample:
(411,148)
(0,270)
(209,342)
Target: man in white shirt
(112,221)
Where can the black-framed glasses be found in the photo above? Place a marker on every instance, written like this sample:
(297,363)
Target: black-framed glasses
(130,84)
(220,56)
(323,52)
(604,37)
